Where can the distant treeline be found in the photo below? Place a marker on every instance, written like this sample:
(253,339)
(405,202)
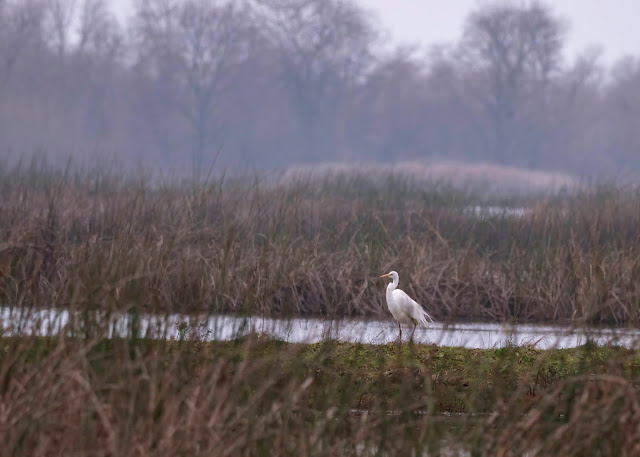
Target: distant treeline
(267,83)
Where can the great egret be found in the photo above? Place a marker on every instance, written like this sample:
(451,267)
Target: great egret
(404,309)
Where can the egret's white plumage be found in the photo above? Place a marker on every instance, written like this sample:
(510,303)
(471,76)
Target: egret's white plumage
(404,309)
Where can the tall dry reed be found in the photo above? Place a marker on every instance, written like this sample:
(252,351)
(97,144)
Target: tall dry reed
(85,239)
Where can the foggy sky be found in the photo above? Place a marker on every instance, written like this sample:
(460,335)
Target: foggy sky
(611,24)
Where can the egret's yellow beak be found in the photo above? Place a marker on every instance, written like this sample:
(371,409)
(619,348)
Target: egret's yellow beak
(385,276)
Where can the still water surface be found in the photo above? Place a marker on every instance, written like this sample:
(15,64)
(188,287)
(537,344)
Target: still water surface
(49,322)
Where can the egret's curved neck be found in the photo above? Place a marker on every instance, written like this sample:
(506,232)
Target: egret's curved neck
(394,284)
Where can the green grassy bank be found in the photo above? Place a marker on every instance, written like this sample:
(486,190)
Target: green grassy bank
(262,397)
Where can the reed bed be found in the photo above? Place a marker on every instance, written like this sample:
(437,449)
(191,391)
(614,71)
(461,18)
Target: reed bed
(90,239)
(472,177)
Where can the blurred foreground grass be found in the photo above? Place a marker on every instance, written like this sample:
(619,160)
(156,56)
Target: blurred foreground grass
(257,396)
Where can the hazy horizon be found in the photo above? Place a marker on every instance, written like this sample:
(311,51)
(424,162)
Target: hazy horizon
(269,84)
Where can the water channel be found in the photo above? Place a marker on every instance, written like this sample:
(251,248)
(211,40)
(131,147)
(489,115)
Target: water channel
(50,322)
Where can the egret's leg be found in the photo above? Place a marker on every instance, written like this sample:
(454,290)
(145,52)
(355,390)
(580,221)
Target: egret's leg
(400,328)
(414,331)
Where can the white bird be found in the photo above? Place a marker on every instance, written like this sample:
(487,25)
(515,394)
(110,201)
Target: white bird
(404,309)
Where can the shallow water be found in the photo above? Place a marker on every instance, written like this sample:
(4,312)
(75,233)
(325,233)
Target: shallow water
(483,212)
(49,322)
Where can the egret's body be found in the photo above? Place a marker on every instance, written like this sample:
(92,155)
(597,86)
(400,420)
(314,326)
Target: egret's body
(404,309)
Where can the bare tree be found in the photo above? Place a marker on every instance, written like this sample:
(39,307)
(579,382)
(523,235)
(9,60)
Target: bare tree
(19,24)
(195,46)
(324,48)
(622,107)
(512,52)
(98,31)
(58,23)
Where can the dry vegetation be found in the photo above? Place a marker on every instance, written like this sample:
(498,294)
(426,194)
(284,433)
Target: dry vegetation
(88,239)
(471,177)
(133,397)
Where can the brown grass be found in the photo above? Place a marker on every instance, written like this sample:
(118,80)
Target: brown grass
(262,398)
(468,177)
(85,240)
(88,240)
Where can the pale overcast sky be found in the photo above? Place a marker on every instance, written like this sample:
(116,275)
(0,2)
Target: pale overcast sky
(612,24)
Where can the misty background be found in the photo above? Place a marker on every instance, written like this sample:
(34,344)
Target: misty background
(265,84)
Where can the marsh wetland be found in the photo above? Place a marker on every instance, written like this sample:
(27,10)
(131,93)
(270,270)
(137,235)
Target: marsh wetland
(244,316)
